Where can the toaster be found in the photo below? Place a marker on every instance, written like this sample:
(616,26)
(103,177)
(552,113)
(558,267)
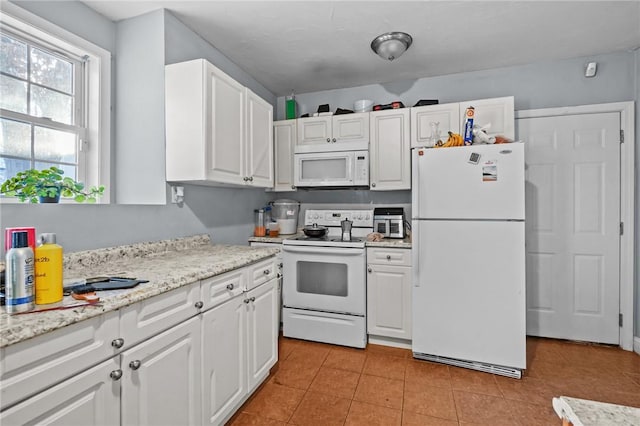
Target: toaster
(389,221)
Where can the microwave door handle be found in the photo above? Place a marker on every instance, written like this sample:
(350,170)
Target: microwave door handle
(323,250)
(351,160)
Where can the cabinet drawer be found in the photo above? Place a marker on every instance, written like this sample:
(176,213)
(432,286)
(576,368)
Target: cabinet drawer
(36,364)
(219,289)
(389,256)
(151,316)
(261,272)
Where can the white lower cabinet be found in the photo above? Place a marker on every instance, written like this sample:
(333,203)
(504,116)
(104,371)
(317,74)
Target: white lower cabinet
(161,378)
(389,294)
(173,359)
(91,398)
(223,360)
(240,339)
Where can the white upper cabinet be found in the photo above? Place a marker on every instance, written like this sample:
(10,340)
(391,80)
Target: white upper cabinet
(432,122)
(390,153)
(344,132)
(284,140)
(497,114)
(217,131)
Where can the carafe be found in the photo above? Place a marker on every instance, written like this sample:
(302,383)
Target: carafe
(259,230)
(346,229)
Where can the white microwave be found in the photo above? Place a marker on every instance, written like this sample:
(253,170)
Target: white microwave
(326,169)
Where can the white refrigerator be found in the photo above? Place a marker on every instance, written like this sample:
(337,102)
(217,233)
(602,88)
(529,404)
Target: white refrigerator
(469,257)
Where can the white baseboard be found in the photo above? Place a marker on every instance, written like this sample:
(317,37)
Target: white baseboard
(390,341)
(636,345)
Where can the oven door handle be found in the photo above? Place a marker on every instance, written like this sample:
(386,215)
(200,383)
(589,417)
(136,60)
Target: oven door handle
(340,251)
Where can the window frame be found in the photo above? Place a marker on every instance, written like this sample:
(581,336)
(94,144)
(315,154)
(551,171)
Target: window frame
(94,148)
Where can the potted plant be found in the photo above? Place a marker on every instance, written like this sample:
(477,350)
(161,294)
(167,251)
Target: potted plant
(46,186)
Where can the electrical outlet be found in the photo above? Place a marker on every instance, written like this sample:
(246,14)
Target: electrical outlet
(177,194)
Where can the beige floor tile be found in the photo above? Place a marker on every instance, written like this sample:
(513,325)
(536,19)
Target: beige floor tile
(380,391)
(340,383)
(527,389)
(389,366)
(321,409)
(363,414)
(525,414)
(310,353)
(431,401)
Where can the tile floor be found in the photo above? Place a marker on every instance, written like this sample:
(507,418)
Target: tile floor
(318,384)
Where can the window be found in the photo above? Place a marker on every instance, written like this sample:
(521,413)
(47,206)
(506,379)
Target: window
(54,101)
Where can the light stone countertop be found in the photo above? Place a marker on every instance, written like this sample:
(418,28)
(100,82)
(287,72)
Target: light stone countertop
(167,264)
(582,412)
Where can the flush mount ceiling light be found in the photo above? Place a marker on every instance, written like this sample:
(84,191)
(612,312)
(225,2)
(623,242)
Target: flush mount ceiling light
(391,45)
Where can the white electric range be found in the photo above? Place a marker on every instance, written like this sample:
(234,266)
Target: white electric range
(324,288)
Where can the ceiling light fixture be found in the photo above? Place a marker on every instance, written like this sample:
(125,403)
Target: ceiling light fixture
(391,45)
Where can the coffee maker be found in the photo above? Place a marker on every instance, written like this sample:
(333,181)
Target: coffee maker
(346,229)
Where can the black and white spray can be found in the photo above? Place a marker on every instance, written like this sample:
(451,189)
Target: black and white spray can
(19,275)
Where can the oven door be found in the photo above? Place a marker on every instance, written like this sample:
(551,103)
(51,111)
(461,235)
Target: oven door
(330,279)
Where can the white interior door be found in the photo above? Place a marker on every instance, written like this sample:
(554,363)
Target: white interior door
(573,219)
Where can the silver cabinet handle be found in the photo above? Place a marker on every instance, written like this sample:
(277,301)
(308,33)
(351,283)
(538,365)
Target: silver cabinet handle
(280,265)
(388,257)
(266,271)
(116,374)
(230,286)
(251,179)
(253,299)
(199,305)
(134,365)
(279,275)
(333,140)
(373,184)
(245,178)
(369,270)
(117,343)
(328,140)
(293,187)
(246,300)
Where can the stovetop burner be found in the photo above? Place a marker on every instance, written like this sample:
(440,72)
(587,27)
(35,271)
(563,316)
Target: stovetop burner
(327,239)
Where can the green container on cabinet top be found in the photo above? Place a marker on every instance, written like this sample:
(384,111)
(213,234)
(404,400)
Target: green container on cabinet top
(290,107)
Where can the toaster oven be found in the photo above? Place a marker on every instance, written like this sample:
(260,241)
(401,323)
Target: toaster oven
(389,221)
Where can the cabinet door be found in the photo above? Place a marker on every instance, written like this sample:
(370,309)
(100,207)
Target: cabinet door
(389,301)
(223,360)
(496,112)
(259,139)
(262,332)
(390,151)
(161,378)
(90,398)
(284,135)
(432,122)
(314,134)
(350,131)
(226,128)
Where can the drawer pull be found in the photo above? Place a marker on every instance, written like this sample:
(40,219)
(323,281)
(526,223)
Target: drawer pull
(230,286)
(388,257)
(116,374)
(253,299)
(117,343)
(199,305)
(369,270)
(246,301)
(266,271)
(134,365)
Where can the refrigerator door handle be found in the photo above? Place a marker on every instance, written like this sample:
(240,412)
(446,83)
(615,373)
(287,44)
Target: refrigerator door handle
(415,253)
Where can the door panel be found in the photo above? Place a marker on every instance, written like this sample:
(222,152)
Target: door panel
(262,331)
(573,215)
(259,141)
